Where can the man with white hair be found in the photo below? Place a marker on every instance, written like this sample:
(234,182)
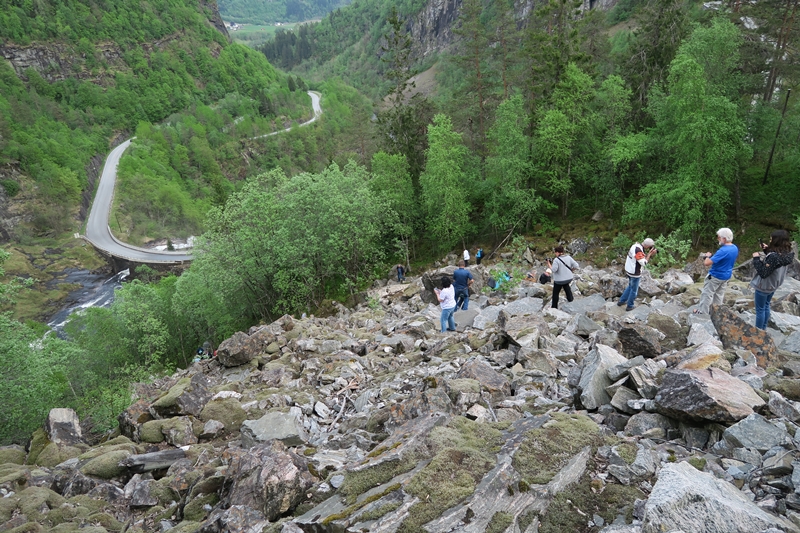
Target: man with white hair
(633,268)
(721,264)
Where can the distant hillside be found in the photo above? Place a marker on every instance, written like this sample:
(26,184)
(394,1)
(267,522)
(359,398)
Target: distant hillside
(247,11)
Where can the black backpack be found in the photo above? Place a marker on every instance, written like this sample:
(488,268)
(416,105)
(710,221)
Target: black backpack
(544,278)
(492,283)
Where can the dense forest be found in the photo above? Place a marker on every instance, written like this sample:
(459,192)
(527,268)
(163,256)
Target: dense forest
(665,116)
(247,12)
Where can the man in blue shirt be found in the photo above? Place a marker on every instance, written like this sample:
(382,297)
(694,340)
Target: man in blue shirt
(721,264)
(462,279)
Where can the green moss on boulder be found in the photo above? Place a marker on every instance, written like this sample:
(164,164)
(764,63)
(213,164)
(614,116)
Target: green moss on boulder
(170,398)
(11,473)
(226,410)
(547,449)
(107,466)
(13,455)
(33,500)
(151,432)
(54,454)
(194,510)
(38,442)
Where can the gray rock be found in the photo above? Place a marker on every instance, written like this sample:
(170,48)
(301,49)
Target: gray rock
(616,372)
(236,350)
(465,319)
(267,478)
(187,397)
(621,397)
(706,395)
(284,427)
(649,425)
(595,302)
(756,432)
(63,427)
(240,518)
(487,316)
(594,376)
(212,429)
(583,326)
(639,339)
(685,498)
(645,377)
(792,343)
(493,382)
(779,464)
(784,322)
(524,306)
(699,334)
(675,280)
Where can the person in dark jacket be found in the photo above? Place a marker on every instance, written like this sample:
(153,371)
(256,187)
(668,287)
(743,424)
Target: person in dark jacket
(771,264)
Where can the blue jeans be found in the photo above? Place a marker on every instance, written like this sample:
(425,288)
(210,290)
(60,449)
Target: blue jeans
(462,299)
(629,296)
(448,322)
(762,308)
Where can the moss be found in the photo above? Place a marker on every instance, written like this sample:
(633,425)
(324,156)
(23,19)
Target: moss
(309,451)
(226,410)
(106,520)
(499,522)
(38,442)
(11,473)
(33,500)
(523,486)
(84,501)
(186,527)
(627,450)
(194,510)
(7,507)
(170,398)
(106,466)
(54,454)
(451,476)
(12,455)
(357,483)
(562,513)
(30,527)
(119,439)
(353,508)
(102,450)
(467,385)
(502,425)
(546,450)
(462,432)
(162,491)
(697,462)
(151,431)
(524,521)
(380,512)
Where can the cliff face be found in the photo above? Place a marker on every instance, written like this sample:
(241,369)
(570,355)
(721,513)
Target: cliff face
(58,61)
(431,29)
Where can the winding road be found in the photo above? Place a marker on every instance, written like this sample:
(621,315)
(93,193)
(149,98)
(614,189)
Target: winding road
(98,233)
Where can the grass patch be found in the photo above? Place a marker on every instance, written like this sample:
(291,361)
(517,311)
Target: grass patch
(627,450)
(548,449)
(499,522)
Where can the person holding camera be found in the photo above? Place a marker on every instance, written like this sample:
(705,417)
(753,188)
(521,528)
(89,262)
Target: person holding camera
(447,298)
(721,263)
(637,258)
(771,264)
(562,268)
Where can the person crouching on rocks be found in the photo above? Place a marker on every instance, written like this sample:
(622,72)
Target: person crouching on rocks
(771,265)
(447,298)
(561,268)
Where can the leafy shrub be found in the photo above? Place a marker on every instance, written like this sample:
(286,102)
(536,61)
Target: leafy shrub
(11,187)
(672,251)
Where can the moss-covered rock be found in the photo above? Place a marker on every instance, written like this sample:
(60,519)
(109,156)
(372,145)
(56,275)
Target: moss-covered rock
(34,500)
(38,442)
(14,476)
(30,527)
(547,449)
(106,520)
(195,509)
(119,439)
(107,465)
(169,399)
(151,432)
(102,450)
(54,454)
(186,526)
(226,410)
(12,454)
(7,507)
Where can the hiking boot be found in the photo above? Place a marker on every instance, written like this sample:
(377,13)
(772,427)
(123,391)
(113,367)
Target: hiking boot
(620,304)
(630,308)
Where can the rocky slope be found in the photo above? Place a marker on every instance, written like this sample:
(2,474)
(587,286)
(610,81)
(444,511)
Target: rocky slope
(585,418)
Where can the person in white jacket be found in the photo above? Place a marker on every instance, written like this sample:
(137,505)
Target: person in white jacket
(638,256)
(562,268)
(466,257)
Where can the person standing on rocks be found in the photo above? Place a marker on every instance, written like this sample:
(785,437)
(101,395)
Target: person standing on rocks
(401,273)
(447,298)
(479,256)
(637,258)
(562,268)
(466,257)
(462,279)
(771,265)
(721,264)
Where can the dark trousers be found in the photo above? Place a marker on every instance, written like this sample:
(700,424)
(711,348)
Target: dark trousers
(478,259)
(557,289)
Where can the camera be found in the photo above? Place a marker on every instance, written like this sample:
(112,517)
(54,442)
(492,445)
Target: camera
(655,250)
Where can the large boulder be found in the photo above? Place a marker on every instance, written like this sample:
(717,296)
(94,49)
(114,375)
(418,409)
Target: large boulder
(706,395)
(756,432)
(734,333)
(187,397)
(284,427)
(685,499)
(638,339)
(63,427)
(237,350)
(523,329)
(267,478)
(594,376)
(490,380)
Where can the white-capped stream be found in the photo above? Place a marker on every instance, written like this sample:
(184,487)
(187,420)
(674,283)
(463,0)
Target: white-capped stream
(97,290)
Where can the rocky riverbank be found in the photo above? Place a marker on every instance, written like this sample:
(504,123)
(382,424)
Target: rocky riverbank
(584,419)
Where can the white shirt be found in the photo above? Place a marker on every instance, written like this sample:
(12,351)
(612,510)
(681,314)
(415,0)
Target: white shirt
(466,255)
(448,297)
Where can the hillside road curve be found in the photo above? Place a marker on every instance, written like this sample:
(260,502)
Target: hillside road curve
(98,232)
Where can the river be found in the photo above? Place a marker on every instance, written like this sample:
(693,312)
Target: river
(97,290)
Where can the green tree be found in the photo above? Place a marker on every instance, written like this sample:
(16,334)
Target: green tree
(700,134)
(444,185)
(511,200)
(391,181)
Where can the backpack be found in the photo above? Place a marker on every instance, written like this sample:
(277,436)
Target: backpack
(544,278)
(492,283)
